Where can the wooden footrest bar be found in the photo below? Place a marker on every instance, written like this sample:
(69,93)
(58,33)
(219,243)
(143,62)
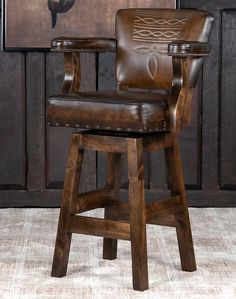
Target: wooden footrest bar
(94,199)
(164,220)
(163,207)
(99,227)
(160,212)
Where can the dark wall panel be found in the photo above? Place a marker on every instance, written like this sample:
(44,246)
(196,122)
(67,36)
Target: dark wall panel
(35,115)
(12,116)
(190,144)
(218,103)
(228,101)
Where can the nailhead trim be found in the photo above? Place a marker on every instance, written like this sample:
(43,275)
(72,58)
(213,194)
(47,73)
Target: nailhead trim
(184,55)
(164,125)
(83,50)
(109,128)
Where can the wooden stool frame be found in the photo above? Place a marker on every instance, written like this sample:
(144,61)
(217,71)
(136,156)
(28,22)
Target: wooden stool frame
(125,221)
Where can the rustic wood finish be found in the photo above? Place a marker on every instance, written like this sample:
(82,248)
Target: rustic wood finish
(68,206)
(114,182)
(183,228)
(123,220)
(72,72)
(137,214)
(94,199)
(99,227)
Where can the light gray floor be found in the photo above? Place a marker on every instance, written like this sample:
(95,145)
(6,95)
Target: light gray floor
(27,243)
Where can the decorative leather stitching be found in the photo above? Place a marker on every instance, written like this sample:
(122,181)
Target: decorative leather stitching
(158,31)
(154,28)
(152,59)
(156,34)
(151,21)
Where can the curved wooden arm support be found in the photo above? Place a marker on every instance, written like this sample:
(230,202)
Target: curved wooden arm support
(72,47)
(72,74)
(187,61)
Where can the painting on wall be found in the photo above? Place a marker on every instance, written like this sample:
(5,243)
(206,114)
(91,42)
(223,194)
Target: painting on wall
(33,24)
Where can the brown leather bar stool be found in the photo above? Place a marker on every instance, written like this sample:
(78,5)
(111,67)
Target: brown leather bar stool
(155,50)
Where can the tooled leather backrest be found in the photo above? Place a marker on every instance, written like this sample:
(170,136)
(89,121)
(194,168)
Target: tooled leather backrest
(142,39)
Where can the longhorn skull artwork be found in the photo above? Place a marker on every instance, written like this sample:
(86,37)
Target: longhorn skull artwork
(59,6)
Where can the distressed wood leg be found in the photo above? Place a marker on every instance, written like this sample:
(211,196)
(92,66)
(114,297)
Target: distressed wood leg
(69,195)
(113,181)
(183,227)
(137,214)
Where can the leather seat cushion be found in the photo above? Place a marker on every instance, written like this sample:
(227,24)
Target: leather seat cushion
(115,111)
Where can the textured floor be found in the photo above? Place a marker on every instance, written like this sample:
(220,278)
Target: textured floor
(27,242)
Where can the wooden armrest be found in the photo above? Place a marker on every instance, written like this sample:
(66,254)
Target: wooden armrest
(185,74)
(91,44)
(182,48)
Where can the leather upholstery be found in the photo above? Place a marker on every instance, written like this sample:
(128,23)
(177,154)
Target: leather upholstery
(118,111)
(149,43)
(91,44)
(187,49)
(143,36)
